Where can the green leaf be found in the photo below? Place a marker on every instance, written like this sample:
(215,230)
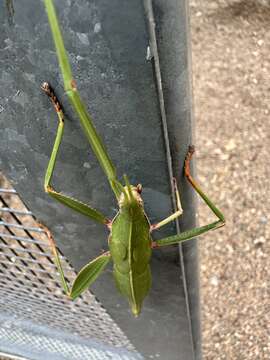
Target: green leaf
(88,274)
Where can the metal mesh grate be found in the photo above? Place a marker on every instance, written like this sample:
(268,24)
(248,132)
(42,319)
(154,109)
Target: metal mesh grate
(30,294)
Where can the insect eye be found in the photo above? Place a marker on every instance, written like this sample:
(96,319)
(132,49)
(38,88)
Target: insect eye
(139,188)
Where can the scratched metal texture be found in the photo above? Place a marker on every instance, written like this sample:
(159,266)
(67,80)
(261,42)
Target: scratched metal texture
(107,45)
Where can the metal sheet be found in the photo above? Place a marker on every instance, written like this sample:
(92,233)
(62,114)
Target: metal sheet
(107,43)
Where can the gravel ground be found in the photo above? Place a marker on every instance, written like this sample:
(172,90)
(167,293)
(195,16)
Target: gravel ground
(231,72)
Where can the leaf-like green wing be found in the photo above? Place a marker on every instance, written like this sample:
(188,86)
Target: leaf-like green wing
(88,274)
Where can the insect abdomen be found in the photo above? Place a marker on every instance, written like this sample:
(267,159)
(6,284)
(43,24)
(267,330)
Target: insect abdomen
(130,246)
(134,289)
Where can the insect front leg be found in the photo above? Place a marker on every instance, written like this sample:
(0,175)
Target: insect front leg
(86,276)
(174,215)
(189,234)
(64,199)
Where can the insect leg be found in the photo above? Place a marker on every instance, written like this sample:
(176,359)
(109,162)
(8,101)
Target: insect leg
(86,276)
(174,215)
(78,105)
(197,188)
(64,199)
(189,234)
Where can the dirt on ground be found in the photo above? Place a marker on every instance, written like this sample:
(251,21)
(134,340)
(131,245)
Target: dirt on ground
(231,69)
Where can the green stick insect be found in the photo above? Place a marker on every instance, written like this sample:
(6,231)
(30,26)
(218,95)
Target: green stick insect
(130,242)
